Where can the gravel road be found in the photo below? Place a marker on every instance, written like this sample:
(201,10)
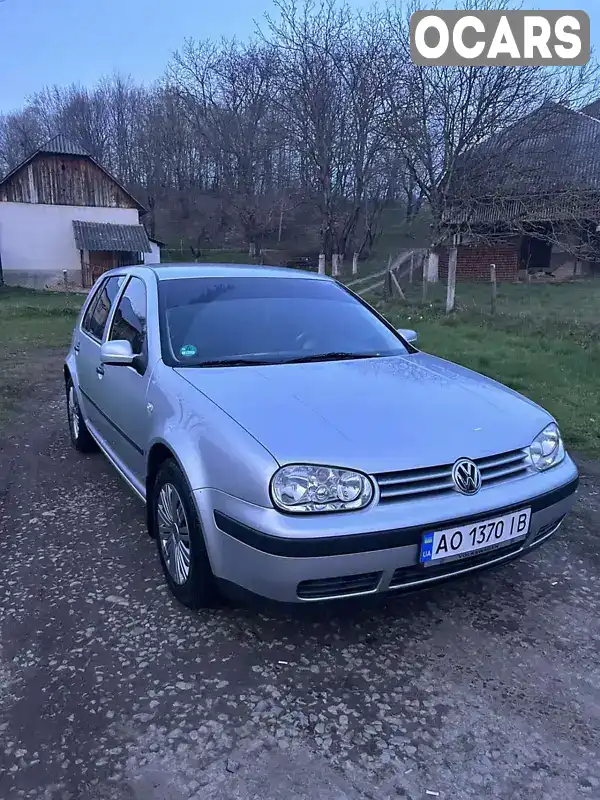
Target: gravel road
(484,688)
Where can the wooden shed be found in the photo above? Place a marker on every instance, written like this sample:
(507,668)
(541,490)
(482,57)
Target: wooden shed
(61,210)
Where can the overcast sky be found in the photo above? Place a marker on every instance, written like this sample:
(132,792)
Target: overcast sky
(45,42)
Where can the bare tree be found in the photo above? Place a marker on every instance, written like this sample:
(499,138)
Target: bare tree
(228,93)
(310,97)
(435,116)
(303,135)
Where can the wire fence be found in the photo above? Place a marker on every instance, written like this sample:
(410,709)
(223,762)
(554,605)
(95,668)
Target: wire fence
(415,278)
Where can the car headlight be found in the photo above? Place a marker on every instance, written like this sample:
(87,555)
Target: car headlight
(547,449)
(304,488)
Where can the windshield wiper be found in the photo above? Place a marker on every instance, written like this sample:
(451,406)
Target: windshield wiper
(329,357)
(232,362)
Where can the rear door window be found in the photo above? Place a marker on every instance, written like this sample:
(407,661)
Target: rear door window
(94,321)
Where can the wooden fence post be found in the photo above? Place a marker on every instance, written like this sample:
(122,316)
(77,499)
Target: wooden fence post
(494,287)
(387,283)
(394,282)
(355,264)
(322,264)
(451,288)
(433,267)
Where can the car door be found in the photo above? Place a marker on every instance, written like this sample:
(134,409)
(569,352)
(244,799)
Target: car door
(87,349)
(122,389)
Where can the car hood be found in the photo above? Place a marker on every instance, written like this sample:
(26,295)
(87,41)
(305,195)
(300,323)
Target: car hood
(376,414)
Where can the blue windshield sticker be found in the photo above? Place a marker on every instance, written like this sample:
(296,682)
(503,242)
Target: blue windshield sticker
(188,351)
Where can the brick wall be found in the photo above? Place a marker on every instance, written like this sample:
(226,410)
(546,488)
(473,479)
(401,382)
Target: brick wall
(473,263)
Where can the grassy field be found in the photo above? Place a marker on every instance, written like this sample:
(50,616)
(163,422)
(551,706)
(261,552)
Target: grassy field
(34,328)
(544,342)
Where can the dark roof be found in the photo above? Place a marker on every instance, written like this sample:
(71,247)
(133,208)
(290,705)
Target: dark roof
(552,154)
(157,241)
(592,110)
(553,148)
(61,145)
(108,236)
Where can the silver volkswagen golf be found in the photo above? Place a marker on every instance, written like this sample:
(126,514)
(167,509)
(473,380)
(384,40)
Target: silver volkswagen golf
(289,443)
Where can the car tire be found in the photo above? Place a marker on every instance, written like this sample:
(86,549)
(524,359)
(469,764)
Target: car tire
(180,539)
(81,438)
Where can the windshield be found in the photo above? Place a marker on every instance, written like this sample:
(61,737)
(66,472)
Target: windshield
(250,320)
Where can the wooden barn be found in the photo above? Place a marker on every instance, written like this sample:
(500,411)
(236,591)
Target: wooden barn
(528,200)
(61,210)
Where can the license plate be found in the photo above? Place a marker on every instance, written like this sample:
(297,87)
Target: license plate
(464,540)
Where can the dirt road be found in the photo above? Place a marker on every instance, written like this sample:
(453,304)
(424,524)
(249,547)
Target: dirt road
(488,687)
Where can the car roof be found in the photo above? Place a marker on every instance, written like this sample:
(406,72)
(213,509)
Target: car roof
(193,270)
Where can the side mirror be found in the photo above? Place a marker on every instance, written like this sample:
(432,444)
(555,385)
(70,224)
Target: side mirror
(410,336)
(118,353)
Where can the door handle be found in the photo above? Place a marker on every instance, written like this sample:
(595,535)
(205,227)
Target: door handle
(77,348)
(100,370)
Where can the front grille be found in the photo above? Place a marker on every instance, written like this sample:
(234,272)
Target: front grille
(424,482)
(417,573)
(339,587)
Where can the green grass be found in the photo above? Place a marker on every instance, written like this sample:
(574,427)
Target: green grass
(575,303)
(34,328)
(397,235)
(544,342)
(29,317)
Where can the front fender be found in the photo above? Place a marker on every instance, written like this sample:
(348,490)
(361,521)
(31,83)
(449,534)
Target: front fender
(213,450)
(70,367)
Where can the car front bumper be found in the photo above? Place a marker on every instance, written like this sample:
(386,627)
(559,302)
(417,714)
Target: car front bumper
(296,559)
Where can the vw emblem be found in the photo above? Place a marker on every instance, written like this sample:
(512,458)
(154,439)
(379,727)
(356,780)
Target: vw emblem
(466,476)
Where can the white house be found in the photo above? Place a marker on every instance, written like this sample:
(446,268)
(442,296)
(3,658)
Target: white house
(153,257)
(61,210)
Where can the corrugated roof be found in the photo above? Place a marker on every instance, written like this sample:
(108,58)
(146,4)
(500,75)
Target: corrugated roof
(592,110)
(60,145)
(524,210)
(547,166)
(109,236)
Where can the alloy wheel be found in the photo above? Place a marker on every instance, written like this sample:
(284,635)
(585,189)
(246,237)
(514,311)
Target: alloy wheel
(173,533)
(73,411)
